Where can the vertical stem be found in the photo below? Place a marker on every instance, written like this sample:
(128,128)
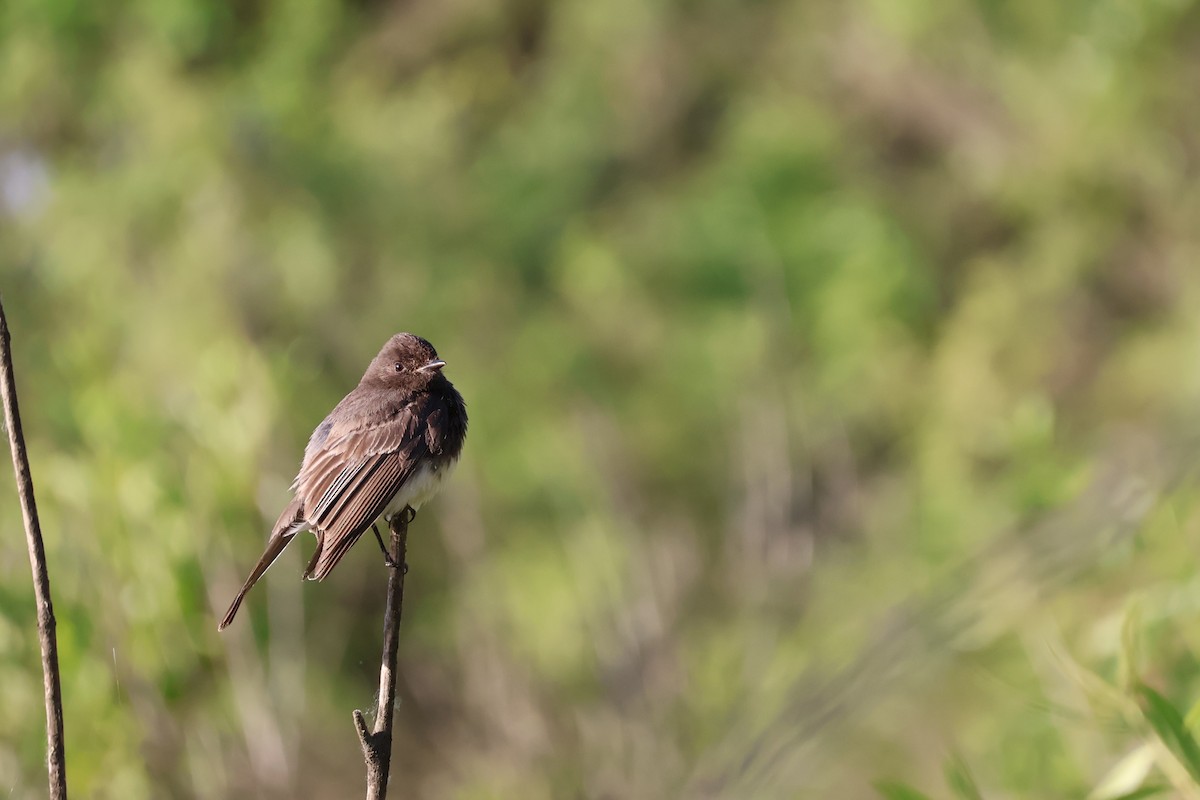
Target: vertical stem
(377,743)
(56,757)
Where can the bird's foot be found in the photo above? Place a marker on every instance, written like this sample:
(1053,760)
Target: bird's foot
(387,557)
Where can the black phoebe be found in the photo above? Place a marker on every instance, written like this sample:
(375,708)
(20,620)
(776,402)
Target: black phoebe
(385,448)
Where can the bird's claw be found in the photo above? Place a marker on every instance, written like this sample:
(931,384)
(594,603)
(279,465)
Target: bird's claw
(387,557)
(388,561)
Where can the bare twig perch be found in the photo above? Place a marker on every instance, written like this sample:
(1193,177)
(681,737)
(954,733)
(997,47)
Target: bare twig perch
(377,743)
(56,753)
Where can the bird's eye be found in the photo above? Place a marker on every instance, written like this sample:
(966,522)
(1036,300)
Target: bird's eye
(399,367)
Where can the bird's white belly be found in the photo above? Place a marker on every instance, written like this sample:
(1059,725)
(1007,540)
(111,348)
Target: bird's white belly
(420,487)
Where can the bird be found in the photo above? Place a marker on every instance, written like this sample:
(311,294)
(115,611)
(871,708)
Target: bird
(384,450)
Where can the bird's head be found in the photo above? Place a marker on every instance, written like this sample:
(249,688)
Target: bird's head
(405,362)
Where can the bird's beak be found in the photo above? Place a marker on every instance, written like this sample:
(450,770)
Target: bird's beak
(432,366)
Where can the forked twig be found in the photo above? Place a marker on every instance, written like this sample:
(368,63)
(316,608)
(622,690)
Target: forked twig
(377,742)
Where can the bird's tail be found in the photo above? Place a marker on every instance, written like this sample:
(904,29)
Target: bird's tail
(290,523)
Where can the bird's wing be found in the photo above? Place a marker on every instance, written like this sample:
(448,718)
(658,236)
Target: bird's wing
(349,479)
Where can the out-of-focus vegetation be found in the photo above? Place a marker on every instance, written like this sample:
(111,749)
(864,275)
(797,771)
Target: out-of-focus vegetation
(832,369)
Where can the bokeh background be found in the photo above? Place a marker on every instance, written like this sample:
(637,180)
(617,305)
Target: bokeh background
(833,369)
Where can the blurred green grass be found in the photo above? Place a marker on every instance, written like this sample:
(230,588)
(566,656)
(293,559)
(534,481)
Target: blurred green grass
(831,369)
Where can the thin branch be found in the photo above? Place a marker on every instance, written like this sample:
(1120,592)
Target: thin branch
(377,742)
(56,755)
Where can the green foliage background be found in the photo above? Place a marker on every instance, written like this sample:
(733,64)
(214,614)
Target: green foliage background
(831,369)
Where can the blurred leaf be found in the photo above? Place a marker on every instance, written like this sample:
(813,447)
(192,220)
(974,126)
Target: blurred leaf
(1127,775)
(960,780)
(894,790)
(1168,724)
(1127,653)
(1146,791)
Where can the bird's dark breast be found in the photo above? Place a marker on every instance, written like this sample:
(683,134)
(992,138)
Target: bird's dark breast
(446,427)
(445,430)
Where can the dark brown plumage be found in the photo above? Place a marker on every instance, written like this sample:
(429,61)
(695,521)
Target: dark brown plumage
(386,446)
